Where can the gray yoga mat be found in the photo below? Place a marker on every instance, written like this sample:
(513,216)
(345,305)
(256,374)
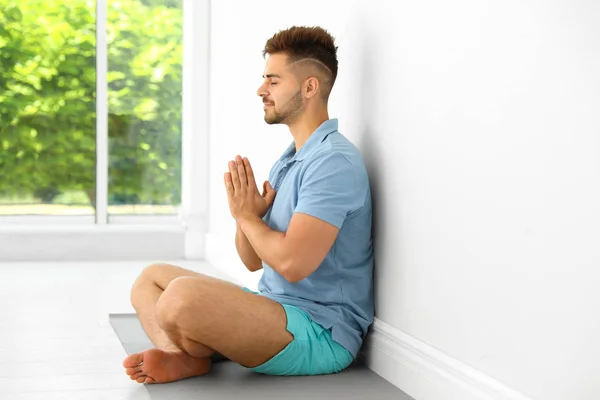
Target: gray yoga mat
(228,380)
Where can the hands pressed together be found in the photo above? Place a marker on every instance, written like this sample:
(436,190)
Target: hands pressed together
(243,196)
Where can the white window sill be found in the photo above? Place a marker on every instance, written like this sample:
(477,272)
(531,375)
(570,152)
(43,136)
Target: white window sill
(64,242)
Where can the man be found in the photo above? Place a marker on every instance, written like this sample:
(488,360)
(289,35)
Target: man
(310,231)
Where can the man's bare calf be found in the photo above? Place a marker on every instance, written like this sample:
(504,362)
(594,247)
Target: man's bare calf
(188,316)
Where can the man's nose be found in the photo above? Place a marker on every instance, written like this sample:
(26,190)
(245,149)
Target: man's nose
(261,91)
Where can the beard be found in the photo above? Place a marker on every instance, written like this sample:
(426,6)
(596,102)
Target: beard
(291,109)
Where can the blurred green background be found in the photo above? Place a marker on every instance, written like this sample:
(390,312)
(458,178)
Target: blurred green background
(48,108)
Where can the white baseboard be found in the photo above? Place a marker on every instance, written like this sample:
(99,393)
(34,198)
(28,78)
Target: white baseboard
(425,373)
(418,369)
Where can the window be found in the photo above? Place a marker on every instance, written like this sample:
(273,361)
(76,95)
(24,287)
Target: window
(48,107)
(144,106)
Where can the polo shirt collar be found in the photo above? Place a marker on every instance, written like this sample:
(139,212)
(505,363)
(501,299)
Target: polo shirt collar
(327,127)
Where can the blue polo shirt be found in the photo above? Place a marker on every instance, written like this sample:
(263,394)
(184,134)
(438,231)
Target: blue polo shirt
(327,179)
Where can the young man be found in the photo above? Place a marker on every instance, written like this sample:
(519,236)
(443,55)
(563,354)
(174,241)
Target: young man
(309,230)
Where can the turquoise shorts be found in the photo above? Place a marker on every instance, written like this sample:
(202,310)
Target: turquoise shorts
(312,352)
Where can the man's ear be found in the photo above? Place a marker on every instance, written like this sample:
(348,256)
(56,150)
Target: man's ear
(311,87)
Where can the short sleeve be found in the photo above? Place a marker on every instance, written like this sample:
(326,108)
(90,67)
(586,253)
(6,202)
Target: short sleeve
(329,189)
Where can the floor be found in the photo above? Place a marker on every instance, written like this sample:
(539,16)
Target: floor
(55,338)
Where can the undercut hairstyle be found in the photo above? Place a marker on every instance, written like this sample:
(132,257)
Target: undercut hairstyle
(308,46)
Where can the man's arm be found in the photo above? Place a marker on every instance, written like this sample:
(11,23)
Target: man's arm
(332,188)
(268,243)
(246,252)
(296,253)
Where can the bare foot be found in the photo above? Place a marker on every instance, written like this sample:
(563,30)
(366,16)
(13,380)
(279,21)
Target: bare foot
(160,366)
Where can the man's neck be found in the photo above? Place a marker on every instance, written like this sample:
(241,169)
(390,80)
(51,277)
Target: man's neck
(302,129)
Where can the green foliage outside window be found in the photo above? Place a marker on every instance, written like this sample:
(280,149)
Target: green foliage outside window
(48,107)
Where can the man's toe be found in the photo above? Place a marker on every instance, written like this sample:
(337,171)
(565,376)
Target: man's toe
(133,360)
(138,375)
(131,371)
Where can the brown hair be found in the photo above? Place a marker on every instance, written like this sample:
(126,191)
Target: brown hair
(300,43)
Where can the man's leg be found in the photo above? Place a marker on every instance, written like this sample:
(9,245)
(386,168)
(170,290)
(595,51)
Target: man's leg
(146,291)
(198,313)
(246,328)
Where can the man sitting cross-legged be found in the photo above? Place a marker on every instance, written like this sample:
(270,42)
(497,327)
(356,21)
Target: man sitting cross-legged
(309,230)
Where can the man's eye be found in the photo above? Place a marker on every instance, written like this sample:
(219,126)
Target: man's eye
(273,83)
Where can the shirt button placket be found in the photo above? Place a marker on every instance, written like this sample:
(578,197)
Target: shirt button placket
(280,176)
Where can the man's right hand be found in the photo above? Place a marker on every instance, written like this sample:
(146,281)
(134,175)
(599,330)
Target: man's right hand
(262,202)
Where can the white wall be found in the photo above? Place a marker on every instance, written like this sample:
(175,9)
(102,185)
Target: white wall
(478,121)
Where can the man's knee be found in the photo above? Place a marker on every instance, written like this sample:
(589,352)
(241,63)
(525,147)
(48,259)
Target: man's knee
(173,305)
(141,285)
(151,272)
